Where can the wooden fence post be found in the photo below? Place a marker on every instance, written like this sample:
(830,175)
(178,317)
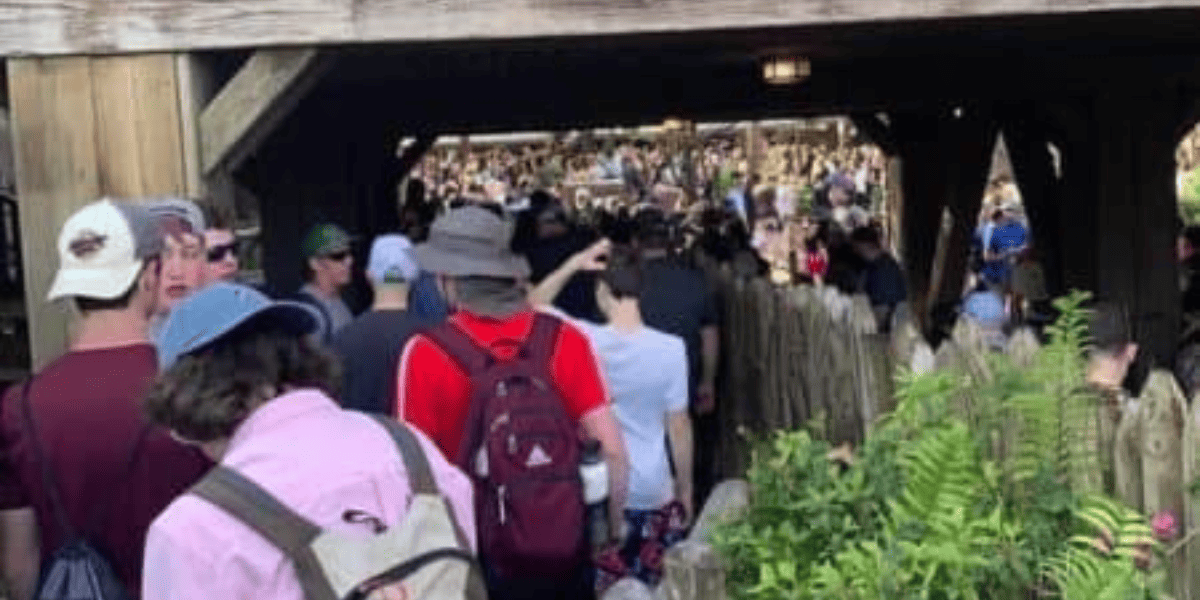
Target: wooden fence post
(1162,409)
(1127,459)
(1191,517)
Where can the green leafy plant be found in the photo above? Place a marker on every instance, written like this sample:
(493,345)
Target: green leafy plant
(806,509)
(982,484)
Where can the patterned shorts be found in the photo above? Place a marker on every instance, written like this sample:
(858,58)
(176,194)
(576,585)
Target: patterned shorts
(651,533)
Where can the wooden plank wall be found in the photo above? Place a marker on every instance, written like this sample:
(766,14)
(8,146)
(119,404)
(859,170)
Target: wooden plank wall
(42,27)
(85,128)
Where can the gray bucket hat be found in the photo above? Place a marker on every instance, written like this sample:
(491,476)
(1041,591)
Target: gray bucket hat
(471,242)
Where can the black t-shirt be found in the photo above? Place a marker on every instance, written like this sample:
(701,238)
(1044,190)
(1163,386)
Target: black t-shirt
(578,296)
(370,348)
(676,300)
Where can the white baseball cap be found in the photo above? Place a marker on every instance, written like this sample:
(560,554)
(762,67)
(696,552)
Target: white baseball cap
(102,248)
(391,260)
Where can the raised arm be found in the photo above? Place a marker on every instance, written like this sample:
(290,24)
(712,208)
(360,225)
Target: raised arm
(588,259)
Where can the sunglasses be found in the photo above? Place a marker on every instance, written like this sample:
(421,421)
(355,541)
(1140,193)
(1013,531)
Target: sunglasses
(218,253)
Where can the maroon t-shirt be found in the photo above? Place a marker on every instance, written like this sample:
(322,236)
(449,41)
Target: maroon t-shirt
(87,410)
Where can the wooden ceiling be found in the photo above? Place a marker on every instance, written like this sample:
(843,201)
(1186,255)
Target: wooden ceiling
(483,86)
(49,27)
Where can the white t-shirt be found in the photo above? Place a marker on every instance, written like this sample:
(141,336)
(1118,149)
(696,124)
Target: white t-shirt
(647,375)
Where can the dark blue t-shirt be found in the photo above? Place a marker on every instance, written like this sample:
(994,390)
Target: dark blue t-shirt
(370,348)
(1005,237)
(883,282)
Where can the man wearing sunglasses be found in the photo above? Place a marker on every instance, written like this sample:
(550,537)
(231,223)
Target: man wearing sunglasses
(327,272)
(221,256)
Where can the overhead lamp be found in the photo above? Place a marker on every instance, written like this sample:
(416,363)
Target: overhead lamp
(786,70)
(673,124)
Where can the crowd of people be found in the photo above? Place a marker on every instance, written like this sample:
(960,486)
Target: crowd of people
(693,166)
(535,379)
(527,406)
(201,439)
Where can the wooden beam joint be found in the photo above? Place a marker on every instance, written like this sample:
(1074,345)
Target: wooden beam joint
(254,102)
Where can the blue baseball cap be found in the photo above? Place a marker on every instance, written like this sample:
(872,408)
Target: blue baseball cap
(218,310)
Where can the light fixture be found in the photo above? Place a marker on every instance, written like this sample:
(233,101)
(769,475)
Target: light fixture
(786,70)
(673,124)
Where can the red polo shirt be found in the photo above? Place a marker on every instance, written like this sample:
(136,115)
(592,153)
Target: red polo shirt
(434,394)
(87,406)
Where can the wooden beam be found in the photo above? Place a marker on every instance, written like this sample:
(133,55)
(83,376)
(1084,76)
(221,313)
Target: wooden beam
(45,27)
(262,93)
(197,86)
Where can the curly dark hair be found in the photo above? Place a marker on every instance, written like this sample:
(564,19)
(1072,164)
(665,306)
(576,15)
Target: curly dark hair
(207,394)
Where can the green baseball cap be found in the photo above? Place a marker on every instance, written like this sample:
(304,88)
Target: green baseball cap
(325,239)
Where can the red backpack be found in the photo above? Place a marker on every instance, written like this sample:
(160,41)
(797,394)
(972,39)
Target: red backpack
(522,451)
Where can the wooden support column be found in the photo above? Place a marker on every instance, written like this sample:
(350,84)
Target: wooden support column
(1077,209)
(944,161)
(1136,217)
(1040,190)
(84,128)
(916,138)
(970,142)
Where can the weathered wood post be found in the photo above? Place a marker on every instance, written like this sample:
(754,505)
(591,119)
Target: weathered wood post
(84,128)
(1162,411)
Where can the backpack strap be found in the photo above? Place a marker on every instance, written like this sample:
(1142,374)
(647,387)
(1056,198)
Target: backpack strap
(281,526)
(543,337)
(420,474)
(460,347)
(39,457)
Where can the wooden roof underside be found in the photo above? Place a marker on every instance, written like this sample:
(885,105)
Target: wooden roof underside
(50,27)
(559,83)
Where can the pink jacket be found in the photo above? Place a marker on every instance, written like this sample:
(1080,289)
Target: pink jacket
(317,459)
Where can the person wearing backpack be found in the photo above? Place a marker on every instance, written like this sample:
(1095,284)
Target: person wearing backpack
(82,472)
(511,393)
(309,501)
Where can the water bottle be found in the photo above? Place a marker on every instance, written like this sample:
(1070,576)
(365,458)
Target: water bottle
(594,473)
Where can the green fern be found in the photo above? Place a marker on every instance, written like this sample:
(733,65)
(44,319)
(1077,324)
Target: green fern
(942,475)
(1080,574)
(1102,560)
(1112,528)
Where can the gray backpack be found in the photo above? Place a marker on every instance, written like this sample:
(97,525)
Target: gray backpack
(425,556)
